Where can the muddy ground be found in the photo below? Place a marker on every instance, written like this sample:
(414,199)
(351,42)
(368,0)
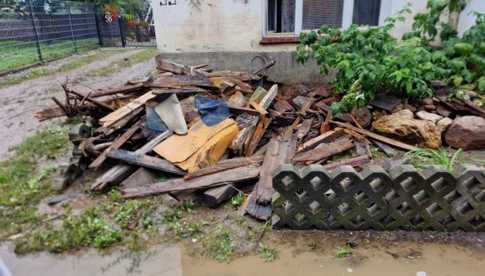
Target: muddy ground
(295,252)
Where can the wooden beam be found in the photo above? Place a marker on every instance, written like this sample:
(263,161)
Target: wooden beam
(145,161)
(226,165)
(208,181)
(324,151)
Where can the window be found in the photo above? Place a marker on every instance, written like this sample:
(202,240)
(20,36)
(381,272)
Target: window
(294,16)
(366,12)
(281,16)
(317,13)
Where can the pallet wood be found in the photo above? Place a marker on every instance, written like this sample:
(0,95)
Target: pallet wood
(227,165)
(330,135)
(117,143)
(358,161)
(258,134)
(119,172)
(324,151)
(208,181)
(145,161)
(214,197)
(126,110)
(377,137)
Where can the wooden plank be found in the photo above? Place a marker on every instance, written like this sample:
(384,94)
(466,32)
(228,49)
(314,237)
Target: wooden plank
(208,181)
(226,165)
(145,161)
(279,152)
(119,90)
(303,130)
(253,143)
(187,90)
(180,81)
(170,66)
(89,99)
(326,137)
(213,197)
(126,110)
(140,177)
(261,105)
(358,161)
(119,172)
(117,143)
(121,123)
(389,151)
(378,137)
(324,151)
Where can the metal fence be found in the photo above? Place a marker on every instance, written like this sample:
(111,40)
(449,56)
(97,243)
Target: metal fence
(33,32)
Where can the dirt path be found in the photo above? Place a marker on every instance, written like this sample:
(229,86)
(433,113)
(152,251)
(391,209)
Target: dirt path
(19,102)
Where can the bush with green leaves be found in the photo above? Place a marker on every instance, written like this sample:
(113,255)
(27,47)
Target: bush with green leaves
(368,60)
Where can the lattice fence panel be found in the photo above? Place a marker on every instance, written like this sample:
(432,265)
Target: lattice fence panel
(403,198)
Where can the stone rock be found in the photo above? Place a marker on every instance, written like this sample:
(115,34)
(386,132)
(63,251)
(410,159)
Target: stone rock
(444,123)
(429,107)
(467,133)
(428,101)
(402,124)
(428,116)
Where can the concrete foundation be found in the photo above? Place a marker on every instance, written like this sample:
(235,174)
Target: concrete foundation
(286,70)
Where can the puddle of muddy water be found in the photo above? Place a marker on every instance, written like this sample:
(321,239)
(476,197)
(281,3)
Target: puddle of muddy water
(430,260)
(160,261)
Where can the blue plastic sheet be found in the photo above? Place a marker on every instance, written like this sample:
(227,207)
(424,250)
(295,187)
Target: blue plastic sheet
(211,111)
(153,121)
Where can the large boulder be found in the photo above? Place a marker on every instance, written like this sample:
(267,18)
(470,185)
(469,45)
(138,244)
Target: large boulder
(467,133)
(402,124)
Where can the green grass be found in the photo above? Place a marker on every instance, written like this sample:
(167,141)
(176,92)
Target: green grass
(18,54)
(343,251)
(267,253)
(24,182)
(45,71)
(117,66)
(442,158)
(219,244)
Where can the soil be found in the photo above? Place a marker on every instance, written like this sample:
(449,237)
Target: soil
(18,103)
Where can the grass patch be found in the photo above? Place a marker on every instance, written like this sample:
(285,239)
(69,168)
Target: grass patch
(442,158)
(23,184)
(117,66)
(267,253)
(219,245)
(39,72)
(343,251)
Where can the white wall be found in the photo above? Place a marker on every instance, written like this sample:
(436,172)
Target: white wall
(238,25)
(211,26)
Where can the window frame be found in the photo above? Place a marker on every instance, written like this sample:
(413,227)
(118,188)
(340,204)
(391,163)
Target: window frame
(347,19)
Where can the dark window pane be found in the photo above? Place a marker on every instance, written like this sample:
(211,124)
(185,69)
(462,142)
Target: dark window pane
(366,12)
(281,16)
(317,13)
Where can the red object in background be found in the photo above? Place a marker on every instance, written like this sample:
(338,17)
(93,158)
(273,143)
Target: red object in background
(112,10)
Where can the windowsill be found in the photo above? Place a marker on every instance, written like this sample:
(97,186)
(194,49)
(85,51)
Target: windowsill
(279,39)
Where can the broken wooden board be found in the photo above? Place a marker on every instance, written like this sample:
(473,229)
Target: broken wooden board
(279,152)
(201,147)
(130,88)
(142,176)
(378,137)
(119,172)
(227,165)
(213,197)
(358,161)
(170,66)
(213,180)
(180,81)
(120,113)
(117,143)
(328,136)
(324,151)
(263,103)
(145,161)
(252,144)
(304,128)
(247,124)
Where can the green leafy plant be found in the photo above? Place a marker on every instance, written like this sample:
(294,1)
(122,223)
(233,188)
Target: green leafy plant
(219,245)
(441,157)
(343,251)
(267,253)
(238,199)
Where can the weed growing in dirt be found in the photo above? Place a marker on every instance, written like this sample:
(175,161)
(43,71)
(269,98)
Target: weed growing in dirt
(24,182)
(267,253)
(238,199)
(343,251)
(441,157)
(88,229)
(218,245)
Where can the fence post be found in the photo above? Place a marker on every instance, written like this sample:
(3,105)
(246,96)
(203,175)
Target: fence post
(71,28)
(122,33)
(98,28)
(36,35)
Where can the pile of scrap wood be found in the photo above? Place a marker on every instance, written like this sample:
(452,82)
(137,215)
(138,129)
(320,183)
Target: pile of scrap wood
(215,133)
